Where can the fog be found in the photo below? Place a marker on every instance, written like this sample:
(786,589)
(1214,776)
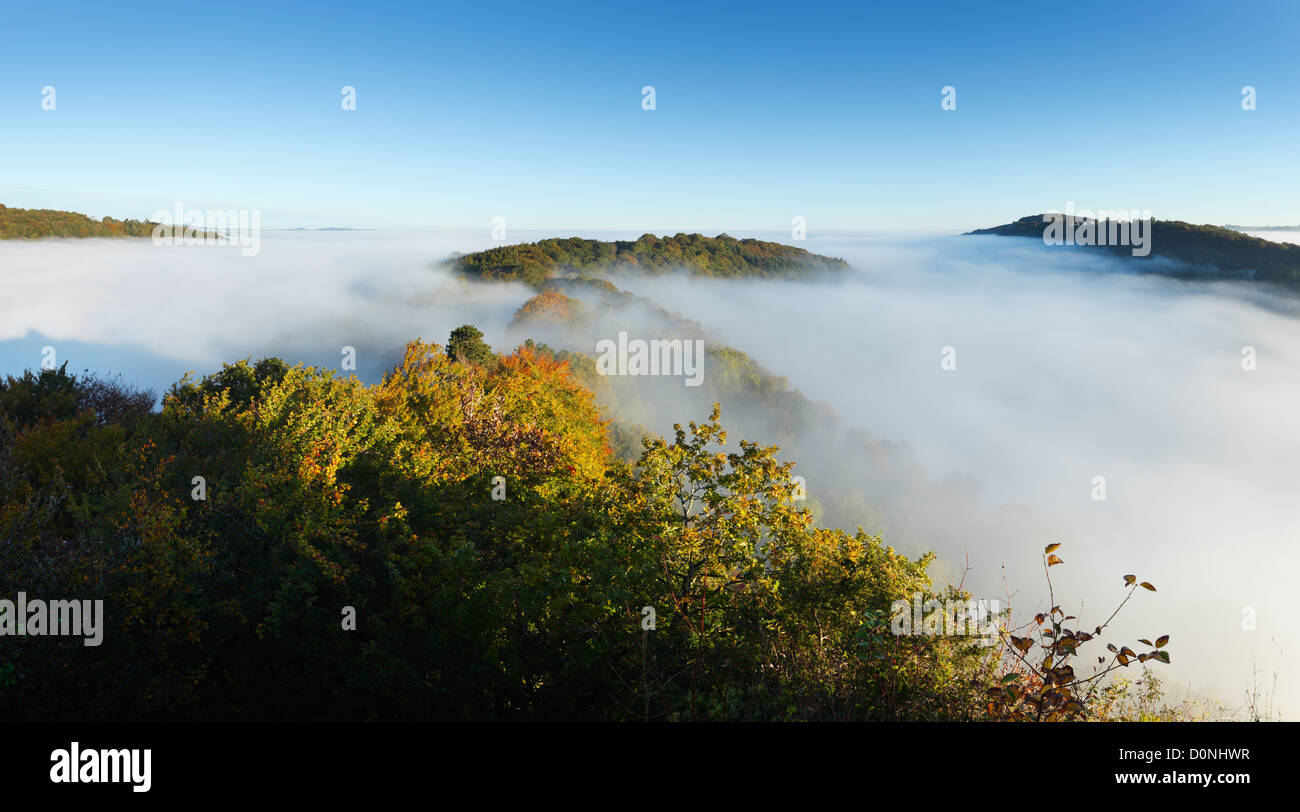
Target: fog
(305,296)
(1067,367)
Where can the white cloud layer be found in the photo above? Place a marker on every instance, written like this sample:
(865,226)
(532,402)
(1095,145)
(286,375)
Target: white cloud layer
(1068,367)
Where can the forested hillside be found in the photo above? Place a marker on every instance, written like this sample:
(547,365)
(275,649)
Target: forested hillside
(497,561)
(721,256)
(38,223)
(1204,250)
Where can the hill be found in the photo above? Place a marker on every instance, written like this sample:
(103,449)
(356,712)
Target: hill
(37,223)
(1203,251)
(720,256)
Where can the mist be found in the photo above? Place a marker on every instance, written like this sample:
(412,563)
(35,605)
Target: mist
(304,297)
(1068,367)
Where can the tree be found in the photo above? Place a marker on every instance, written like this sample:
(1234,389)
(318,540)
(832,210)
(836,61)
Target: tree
(467,346)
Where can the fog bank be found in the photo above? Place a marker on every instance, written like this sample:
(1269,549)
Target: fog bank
(1067,367)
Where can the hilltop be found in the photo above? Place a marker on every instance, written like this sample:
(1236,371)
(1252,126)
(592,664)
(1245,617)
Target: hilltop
(34,224)
(720,256)
(1205,251)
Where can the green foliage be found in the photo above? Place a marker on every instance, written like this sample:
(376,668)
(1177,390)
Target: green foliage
(466,345)
(37,223)
(54,394)
(498,555)
(721,256)
(1198,247)
(241,382)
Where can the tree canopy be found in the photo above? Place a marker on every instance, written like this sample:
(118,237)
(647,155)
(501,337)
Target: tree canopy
(38,223)
(1202,251)
(497,559)
(720,256)
(498,556)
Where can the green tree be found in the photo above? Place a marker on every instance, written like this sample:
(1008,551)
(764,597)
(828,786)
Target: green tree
(466,345)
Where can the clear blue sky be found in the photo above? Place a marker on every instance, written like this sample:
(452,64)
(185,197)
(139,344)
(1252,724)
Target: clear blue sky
(831,111)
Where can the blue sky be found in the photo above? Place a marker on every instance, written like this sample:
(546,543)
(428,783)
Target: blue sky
(830,111)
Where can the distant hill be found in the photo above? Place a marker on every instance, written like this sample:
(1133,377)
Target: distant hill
(34,224)
(1204,251)
(1262,228)
(720,256)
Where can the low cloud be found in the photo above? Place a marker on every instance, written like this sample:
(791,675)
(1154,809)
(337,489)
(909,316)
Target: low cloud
(1069,366)
(305,296)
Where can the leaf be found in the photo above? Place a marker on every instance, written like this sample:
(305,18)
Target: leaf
(1129,579)
(1145,642)
(1146,585)
(1162,640)
(1162,656)
(1051,548)
(1053,561)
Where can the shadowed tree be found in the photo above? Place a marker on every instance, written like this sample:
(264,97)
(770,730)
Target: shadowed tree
(467,346)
